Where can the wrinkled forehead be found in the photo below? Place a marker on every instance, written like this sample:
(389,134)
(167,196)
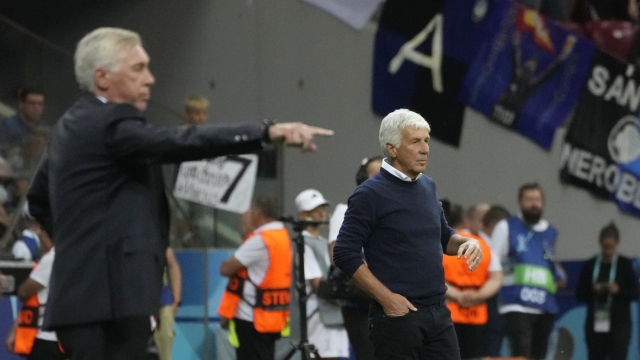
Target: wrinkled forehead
(411,132)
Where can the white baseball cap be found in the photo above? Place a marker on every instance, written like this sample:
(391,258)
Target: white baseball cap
(309,200)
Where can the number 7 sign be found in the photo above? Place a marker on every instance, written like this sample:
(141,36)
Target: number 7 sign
(225,182)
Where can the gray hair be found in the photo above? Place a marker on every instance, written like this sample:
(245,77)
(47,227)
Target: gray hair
(102,48)
(393,124)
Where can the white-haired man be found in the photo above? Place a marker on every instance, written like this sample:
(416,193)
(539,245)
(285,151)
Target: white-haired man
(101,192)
(397,218)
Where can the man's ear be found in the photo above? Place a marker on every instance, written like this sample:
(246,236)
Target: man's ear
(391,150)
(101,78)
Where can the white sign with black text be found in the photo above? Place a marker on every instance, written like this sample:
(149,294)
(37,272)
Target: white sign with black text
(225,182)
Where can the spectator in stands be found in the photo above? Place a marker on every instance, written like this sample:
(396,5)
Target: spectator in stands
(494,328)
(259,269)
(25,159)
(555,9)
(5,220)
(325,321)
(191,221)
(27,337)
(468,291)
(14,129)
(526,243)
(196,110)
(356,311)
(6,175)
(101,191)
(608,284)
(27,247)
(170,300)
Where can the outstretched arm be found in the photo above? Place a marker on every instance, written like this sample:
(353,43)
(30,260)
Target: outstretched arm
(131,138)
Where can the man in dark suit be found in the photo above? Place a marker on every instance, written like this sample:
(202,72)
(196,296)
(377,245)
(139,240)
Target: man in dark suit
(101,194)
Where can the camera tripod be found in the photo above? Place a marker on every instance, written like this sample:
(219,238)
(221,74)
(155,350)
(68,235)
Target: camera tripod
(303,345)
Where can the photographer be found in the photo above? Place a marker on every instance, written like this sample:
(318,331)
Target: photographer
(608,284)
(325,323)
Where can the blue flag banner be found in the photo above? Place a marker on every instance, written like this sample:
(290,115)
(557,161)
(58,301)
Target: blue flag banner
(528,73)
(421,57)
(601,152)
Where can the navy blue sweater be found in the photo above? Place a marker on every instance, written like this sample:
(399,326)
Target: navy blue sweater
(402,228)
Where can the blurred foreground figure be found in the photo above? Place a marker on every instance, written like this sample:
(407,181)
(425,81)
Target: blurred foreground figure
(102,193)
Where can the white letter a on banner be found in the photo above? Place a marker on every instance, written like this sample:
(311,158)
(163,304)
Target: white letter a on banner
(433,62)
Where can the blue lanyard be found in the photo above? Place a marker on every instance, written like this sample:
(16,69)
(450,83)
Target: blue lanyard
(522,246)
(612,271)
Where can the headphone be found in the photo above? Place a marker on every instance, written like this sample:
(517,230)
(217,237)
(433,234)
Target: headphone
(362,175)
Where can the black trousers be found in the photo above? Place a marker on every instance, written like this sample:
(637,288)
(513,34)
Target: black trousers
(46,350)
(253,344)
(493,330)
(356,321)
(424,334)
(529,333)
(470,340)
(112,340)
(613,345)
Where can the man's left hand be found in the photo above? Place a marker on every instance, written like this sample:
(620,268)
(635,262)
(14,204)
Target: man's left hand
(471,251)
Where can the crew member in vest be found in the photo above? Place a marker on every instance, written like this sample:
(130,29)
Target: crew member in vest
(397,218)
(26,337)
(608,284)
(325,322)
(526,245)
(256,301)
(468,291)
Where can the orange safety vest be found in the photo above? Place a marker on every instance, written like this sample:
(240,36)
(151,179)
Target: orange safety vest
(457,273)
(27,325)
(271,310)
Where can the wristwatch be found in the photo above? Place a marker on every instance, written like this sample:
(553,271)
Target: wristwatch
(266,124)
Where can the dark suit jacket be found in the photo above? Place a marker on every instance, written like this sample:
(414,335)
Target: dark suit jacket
(101,193)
